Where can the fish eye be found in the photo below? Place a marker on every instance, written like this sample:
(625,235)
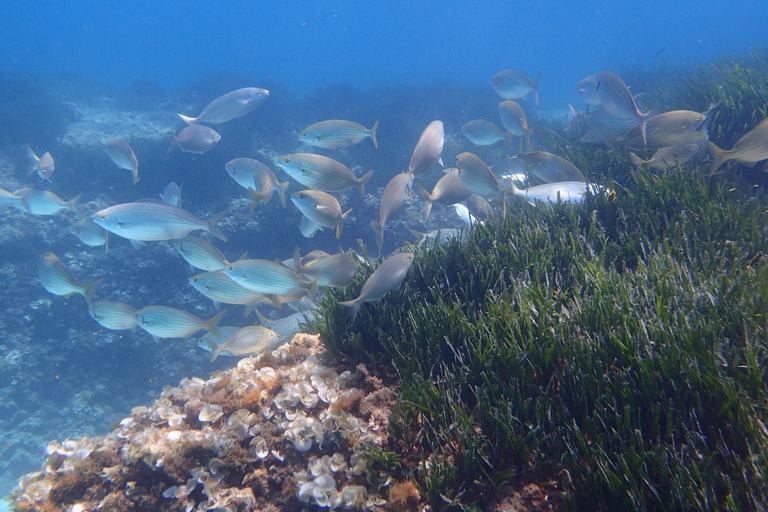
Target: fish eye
(194,279)
(230,268)
(287,160)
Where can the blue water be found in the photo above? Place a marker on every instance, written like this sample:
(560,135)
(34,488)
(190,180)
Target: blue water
(74,75)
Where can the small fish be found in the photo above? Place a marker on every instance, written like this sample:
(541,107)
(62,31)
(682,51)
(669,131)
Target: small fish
(428,149)
(478,178)
(57,279)
(321,173)
(321,208)
(42,202)
(288,326)
(200,253)
(392,203)
(512,84)
(269,278)
(218,287)
(440,236)
(387,277)
(246,341)
(251,174)
(615,98)
(564,191)
(172,194)
(44,166)
(751,148)
(683,151)
(146,222)
(195,138)
(166,322)
(549,168)
(603,123)
(91,234)
(113,315)
(229,106)
(667,129)
(588,91)
(479,207)
(334,270)
(10,198)
(484,133)
(448,190)
(467,218)
(122,154)
(513,118)
(337,133)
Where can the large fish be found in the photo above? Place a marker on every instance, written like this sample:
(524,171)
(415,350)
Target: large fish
(43,202)
(246,341)
(165,322)
(57,279)
(392,203)
(513,118)
(321,173)
(428,149)
(751,148)
(149,221)
(615,98)
(122,154)
(564,191)
(321,208)
(478,178)
(387,277)
(113,315)
(484,133)
(548,167)
(448,190)
(44,166)
(684,150)
(337,133)
(195,138)
(230,106)
(512,84)
(218,287)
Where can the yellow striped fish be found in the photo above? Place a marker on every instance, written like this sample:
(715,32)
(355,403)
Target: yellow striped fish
(665,158)
(484,133)
(321,209)
(512,84)
(166,322)
(91,234)
(513,118)
(387,277)
(334,270)
(337,133)
(321,173)
(429,149)
(151,221)
(477,177)
(195,138)
(251,174)
(246,341)
(218,287)
(548,167)
(43,202)
(268,277)
(749,149)
(113,315)
(200,253)
(57,279)
(122,154)
(44,165)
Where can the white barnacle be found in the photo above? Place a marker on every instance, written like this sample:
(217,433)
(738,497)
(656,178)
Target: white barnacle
(259,447)
(210,413)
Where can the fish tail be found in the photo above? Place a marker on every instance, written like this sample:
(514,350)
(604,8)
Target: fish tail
(173,144)
(718,156)
(215,349)
(88,290)
(636,161)
(378,230)
(74,206)
(262,319)
(212,324)
(528,134)
(188,120)
(643,125)
(340,227)
(135,175)
(361,183)
(354,307)
(536,90)
(427,198)
(256,198)
(575,117)
(281,189)
(213,226)
(508,140)
(373,134)
(420,237)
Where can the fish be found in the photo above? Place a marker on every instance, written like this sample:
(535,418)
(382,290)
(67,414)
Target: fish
(149,221)
(440,236)
(548,167)
(684,150)
(667,129)
(392,203)
(334,270)
(200,253)
(588,91)
(91,234)
(167,322)
(466,217)
(564,191)
(484,133)
(751,148)
(10,199)
(122,154)
(269,278)
(172,194)
(512,84)
(321,173)
(387,277)
(113,315)
(448,190)
(337,133)
(478,178)
(479,207)
(44,166)
(429,149)
(245,170)
(246,341)
(513,118)
(195,138)
(43,202)
(321,208)
(58,280)
(602,122)
(218,287)
(229,106)
(615,98)
(286,327)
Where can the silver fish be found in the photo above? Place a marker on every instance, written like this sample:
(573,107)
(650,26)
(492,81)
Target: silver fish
(268,277)
(195,138)
(548,167)
(337,133)
(479,208)
(91,234)
(172,194)
(246,172)
(200,253)
(154,221)
(44,166)
(113,315)
(321,208)
(615,98)
(122,154)
(512,84)
(751,148)
(229,106)
(392,203)
(684,150)
(588,91)
(42,202)
(484,133)
(439,236)
(478,178)
(602,122)
(57,279)
(564,191)
(246,341)
(428,149)
(513,118)
(448,190)
(321,173)
(166,322)
(334,270)
(10,198)
(288,326)
(666,129)
(387,277)
(218,287)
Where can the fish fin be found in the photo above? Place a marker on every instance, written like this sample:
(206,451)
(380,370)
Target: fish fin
(718,156)
(213,226)
(212,325)
(373,134)
(88,290)
(420,237)
(243,256)
(137,244)
(340,227)
(73,204)
(170,148)
(361,183)
(636,161)
(262,319)
(297,260)
(215,349)
(135,175)
(354,307)
(33,158)
(274,300)
(440,160)
(426,197)
(575,117)
(528,134)
(281,190)
(256,198)
(536,90)
(106,241)
(378,230)
(188,120)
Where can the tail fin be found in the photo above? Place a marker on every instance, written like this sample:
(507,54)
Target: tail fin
(258,197)
(173,144)
(281,189)
(213,226)
(575,117)
(378,230)
(212,324)
(88,290)
(420,237)
(215,349)
(536,90)
(74,205)
(361,182)
(718,156)
(353,305)
(373,134)
(188,120)
(340,227)
(427,198)
(636,161)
